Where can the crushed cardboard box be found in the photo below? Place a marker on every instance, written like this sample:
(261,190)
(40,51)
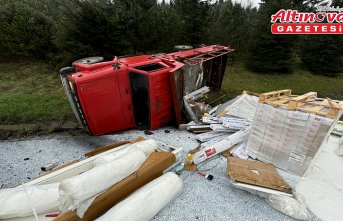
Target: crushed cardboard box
(257,174)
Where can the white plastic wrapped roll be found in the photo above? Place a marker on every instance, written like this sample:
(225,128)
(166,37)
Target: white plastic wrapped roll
(146,202)
(75,190)
(14,202)
(147,146)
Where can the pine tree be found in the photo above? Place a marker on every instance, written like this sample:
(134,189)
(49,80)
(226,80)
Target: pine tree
(230,24)
(322,54)
(88,28)
(270,53)
(194,20)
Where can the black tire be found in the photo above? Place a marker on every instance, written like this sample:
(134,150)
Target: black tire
(182,47)
(89,60)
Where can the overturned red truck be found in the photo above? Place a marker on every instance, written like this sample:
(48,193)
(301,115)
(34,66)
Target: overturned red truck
(143,92)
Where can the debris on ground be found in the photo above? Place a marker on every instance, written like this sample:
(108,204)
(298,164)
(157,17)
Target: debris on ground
(148,132)
(256,176)
(224,127)
(207,176)
(256,134)
(190,167)
(49,166)
(275,127)
(90,187)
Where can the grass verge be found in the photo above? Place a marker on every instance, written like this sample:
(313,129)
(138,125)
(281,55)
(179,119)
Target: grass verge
(237,79)
(31,92)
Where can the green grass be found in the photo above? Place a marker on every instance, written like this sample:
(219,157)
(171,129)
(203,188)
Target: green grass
(237,79)
(31,92)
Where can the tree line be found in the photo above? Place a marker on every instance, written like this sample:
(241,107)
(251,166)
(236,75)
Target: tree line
(61,31)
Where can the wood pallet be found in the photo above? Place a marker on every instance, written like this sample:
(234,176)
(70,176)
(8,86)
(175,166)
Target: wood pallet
(308,103)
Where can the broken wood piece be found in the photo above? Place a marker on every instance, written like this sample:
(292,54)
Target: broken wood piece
(49,166)
(227,153)
(190,167)
(194,150)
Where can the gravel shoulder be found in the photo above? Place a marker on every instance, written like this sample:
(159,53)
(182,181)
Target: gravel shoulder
(21,160)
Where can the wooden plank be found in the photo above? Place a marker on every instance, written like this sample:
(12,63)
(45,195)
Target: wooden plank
(273,94)
(308,103)
(316,109)
(305,97)
(294,102)
(333,113)
(251,93)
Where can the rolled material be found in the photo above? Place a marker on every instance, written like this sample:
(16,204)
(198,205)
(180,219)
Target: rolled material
(146,146)
(82,187)
(151,169)
(15,203)
(146,202)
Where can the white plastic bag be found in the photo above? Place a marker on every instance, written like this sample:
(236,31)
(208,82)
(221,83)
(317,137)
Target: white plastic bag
(293,207)
(75,190)
(146,202)
(146,146)
(14,202)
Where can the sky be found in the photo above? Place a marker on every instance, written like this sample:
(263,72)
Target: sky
(254,3)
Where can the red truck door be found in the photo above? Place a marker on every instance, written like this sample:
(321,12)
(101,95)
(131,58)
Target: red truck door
(103,106)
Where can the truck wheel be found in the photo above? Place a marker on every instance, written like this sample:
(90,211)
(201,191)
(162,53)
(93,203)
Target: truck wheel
(182,47)
(89,60)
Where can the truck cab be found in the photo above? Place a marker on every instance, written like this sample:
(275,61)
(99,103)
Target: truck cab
(141,92)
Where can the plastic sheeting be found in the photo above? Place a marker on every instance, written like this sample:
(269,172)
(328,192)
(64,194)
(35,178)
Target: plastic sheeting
(146,202)
(293,207)
(78,189)
(147,146)
(288,139)
(15,203)
(322,186)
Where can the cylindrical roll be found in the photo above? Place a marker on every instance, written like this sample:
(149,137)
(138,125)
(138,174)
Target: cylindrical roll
(146,202)
(147,146)
(76,190)
(14,202)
